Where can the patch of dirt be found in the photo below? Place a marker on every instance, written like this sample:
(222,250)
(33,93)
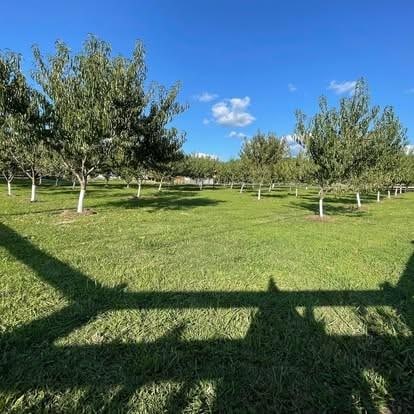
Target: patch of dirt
(316,217)
(70,215)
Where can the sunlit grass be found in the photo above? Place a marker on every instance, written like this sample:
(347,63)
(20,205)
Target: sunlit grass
(269,337)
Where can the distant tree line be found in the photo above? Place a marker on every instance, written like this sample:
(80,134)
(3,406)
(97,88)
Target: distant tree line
(91,113)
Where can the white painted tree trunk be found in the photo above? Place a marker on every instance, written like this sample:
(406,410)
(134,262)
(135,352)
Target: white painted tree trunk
(127,185)
(270,187)
(139,188)
(73,184)
(378,197)
(321,207)
(201,185)
(389,194)
(241,188)
(259,193)
(160,186)
(9,188)
(296,192)
(56,182)
(40,180)
(80,200)
(396,191)
(400,189)
(358,197)
(33,195)
(231,185)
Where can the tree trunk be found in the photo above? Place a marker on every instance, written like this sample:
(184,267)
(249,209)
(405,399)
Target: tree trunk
(127,185)
(241,188)
(231,185)
(160,186)
(201,184)
(139,188)
(396,191)
(358,199)
(73,184)
(33,195)
(40,180)
(321,207)
(81,197)
(259,193)
(9,188)
(270,187)
(389,194)
(296,192)
(401,189)
(106,181)
(56,181)
(378,197)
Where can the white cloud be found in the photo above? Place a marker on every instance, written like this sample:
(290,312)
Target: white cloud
(233,112)
(234,134)
(206,121)
(206,97)
(294,147)
(342,87)
(409,149)
(292,87)
(205,155)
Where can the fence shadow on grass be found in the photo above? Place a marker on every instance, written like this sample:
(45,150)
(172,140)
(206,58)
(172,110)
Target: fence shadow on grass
(285,362)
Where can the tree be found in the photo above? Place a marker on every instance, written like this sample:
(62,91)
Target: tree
(261,154)
(386,152)
(352,143)
(97,102)
(10,81)
(320,138)
(28,131)
(23,122)
(230,171)
(126,173)
(55,167)
(152,144)
(200,168)
(8,169)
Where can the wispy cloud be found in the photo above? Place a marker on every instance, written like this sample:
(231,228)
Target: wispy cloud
(292,87)
(342,87)
(206,121)
(233,112)
(206,97)
(234,134)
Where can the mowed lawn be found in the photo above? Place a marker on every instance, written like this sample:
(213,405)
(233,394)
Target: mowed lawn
(205,301)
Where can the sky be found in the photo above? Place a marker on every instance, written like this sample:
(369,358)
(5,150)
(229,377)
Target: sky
(244,65)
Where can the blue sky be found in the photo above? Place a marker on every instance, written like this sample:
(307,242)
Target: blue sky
(244,65)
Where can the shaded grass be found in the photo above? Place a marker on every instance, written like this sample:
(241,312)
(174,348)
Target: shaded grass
(205,301)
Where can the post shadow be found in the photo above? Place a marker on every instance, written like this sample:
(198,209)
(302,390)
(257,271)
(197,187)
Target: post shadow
(286,361)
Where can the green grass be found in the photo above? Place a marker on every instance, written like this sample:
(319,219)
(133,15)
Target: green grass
(205,301)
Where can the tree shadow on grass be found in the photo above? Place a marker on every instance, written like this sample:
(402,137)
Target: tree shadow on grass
(286,362)
(331,206)
(163,201)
